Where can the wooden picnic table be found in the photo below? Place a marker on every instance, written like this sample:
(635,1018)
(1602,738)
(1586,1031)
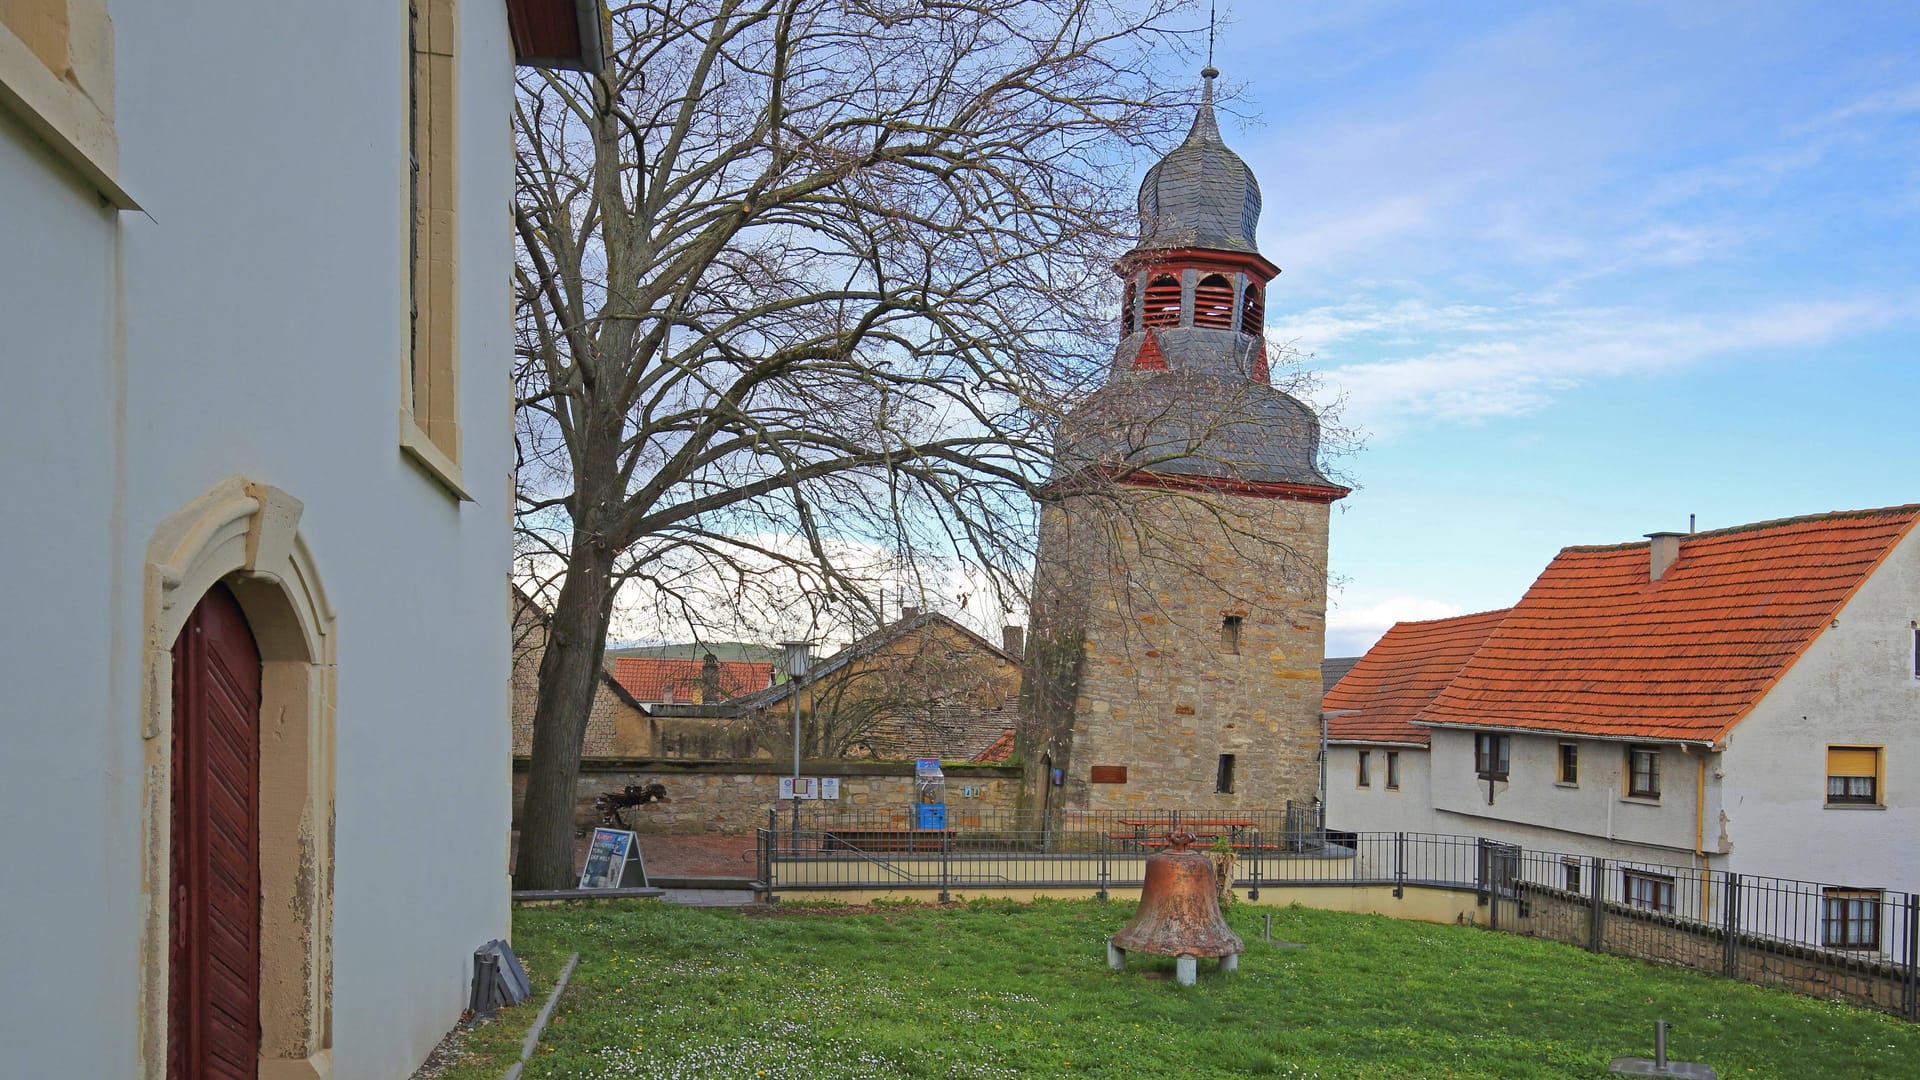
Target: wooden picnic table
(1202,828)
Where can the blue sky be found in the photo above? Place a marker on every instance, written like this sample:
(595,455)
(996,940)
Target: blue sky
(1581,271)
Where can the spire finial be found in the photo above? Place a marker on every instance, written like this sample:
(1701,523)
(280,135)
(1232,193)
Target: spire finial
(1213,12)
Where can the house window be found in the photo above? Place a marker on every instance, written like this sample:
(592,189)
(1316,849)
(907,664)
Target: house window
(1223,776)
(1643,772)
(1230,635)
(1393,770)
(1653,892)
(1363,775)
(1853,775)
(1490,756)
(429,415)
(1569,763)
(1571,868)
(1850,919)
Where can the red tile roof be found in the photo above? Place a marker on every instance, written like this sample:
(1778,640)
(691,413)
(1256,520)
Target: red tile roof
(1400,675)
(655,680)
(1596,648)
(1000,752)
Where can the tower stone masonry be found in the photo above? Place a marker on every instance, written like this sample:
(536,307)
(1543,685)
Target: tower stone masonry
(1179,607)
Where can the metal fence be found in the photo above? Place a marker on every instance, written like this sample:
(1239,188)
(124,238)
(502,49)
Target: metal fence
(1855,944)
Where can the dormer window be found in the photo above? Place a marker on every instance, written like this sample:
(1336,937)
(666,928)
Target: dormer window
(1213,302)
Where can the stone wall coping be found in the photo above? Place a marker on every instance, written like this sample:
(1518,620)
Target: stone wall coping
(768,767)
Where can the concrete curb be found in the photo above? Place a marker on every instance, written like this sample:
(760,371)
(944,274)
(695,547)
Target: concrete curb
(540,1022)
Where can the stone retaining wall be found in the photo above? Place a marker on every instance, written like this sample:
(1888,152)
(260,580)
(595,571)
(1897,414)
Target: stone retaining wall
(733,797)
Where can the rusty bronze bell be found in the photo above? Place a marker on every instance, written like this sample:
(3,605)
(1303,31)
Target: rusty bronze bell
(1179,914)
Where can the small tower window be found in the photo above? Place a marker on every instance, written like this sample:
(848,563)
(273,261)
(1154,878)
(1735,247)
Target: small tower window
(1230,635)
(1253,311)
(1213,302)
(1163,302)
(1223,778)
(1126,305)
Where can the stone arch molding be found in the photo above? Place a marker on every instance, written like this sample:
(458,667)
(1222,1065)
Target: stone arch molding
(247,535)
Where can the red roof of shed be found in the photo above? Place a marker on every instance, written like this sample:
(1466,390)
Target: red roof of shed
(1400,675)
(652,679)
(1596,648)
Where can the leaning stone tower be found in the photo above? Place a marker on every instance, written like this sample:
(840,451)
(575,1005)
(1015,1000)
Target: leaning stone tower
(1179,608)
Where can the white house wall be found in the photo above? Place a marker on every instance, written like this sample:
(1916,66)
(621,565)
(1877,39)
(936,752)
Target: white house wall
(1592,817)
(1854,685)
(251,322)
(1378,808)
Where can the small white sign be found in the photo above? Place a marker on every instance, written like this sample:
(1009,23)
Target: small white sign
(830,787)
(804,787)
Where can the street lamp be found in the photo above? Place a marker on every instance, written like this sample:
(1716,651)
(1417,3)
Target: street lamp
(795,656)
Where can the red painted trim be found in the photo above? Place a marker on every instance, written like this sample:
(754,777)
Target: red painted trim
(1197,259)
(1150,358)
(1257,489)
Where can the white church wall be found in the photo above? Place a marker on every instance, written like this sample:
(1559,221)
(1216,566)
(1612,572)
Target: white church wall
(251,322)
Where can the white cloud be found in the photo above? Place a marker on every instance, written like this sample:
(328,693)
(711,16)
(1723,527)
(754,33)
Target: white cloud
(1480,362)
(1352,630)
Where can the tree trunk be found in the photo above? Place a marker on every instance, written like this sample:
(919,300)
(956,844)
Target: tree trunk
(569,676)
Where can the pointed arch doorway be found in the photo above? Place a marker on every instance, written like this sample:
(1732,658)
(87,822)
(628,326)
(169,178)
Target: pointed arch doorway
(213,1007)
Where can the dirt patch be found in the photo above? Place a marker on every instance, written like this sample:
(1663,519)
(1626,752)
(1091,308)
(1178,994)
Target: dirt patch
(443,1056)
(708,855)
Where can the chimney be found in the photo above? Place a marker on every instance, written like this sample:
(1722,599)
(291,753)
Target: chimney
(1662,549)
(909,612)
(1014,640)
(710,680)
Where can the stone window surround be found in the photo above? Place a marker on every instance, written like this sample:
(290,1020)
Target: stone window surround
(56,78)
(246,535)
(429,357)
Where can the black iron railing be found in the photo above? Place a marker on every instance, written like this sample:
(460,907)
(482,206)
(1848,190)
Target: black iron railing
(1854,944)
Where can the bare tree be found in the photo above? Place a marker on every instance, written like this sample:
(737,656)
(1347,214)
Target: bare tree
(917,687)
(803,288)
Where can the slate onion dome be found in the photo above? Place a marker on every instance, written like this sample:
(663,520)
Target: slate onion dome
(1200,195)
(1188,402)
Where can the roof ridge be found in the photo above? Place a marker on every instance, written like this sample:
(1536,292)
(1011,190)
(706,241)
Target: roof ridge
(1450,618)
(1909,509)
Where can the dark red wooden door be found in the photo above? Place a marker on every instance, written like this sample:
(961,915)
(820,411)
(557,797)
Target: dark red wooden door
(213,1014)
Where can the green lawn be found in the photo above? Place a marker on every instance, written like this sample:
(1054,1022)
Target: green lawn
(994,989)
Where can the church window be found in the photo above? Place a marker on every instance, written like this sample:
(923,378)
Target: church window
(1253,312)
(1126,306)
(1230,635)
(429,415)
(1213,302)
(1223,777)
(1163,302)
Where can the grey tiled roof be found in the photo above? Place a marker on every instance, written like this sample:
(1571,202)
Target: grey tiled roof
(1201,194)
(1184,423)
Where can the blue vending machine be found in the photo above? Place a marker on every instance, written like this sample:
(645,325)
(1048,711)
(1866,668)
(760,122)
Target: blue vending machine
(929,794)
